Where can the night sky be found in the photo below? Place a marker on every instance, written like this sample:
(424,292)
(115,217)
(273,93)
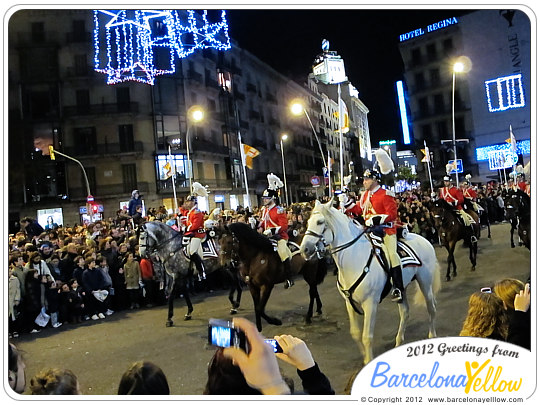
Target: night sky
(367,40)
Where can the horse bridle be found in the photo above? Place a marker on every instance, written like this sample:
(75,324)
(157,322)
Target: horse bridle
(154,248)
(322,241)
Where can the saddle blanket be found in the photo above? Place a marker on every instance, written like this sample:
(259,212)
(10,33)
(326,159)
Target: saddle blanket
(208,247)
(406,253)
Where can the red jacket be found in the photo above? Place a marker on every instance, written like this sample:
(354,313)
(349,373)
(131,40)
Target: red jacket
(147,269)
(273,218)
(470,192)
(453,196)
(195,223)
(182,216)
(354,210)
(380,202)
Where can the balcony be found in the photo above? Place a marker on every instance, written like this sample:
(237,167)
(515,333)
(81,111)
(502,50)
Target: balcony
(100,109)
(201,145)
(107,190)
(107,149)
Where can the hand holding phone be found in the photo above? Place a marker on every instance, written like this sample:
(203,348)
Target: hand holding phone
(295,352)
(274,345)
(259,366)
(222,333)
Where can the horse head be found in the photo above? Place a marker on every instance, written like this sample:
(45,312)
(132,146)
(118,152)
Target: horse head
(318,236)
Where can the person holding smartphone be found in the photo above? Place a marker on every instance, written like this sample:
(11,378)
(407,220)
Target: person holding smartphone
(260,368)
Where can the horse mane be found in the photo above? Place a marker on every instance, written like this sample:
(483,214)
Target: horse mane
(444,204)
(335,219)
(249,236)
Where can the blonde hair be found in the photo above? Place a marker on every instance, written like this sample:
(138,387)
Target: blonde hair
(507,289)
(486,315)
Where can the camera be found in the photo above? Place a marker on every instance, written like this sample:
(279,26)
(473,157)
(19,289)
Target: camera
(222,333)
(275,345)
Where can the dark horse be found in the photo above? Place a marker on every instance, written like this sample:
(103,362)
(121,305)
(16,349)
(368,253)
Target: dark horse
(518,212)
(451,230)
(159,238)
(482,212)
(261,268)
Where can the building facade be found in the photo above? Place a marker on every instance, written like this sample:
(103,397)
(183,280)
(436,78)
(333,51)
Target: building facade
(481,103)
(125,134)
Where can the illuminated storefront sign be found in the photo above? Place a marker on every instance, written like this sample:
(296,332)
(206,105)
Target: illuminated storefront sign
(430,28)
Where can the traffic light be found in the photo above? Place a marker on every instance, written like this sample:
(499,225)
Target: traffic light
(51,152)
(95,209)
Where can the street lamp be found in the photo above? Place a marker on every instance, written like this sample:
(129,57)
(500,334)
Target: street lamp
(457,68)
(194,114)
(284,138)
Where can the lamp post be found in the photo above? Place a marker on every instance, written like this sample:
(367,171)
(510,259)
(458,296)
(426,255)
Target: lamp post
(457,68)
(284,138)
(195,114)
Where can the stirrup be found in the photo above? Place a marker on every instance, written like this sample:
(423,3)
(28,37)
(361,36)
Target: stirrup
(396,295)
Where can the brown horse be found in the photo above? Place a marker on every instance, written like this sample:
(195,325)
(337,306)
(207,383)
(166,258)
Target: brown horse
(451,230)
(261,268)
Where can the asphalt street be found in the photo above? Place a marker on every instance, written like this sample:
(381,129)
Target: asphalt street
(98,352)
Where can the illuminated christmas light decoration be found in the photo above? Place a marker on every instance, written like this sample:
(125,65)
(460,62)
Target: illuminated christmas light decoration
(139,45)
(522,148)
(403,113)
(504,93)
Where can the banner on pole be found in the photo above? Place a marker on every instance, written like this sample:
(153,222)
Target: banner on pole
(248,153)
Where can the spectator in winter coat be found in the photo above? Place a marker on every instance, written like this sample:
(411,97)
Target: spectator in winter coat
(93,283)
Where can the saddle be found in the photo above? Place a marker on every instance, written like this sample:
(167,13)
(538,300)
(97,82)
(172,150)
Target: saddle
(208,247)
(406,253)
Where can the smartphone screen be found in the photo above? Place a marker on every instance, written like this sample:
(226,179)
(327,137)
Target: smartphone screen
(220,335)
(275,345)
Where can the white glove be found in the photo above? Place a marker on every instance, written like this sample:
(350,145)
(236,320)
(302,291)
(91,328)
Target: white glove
(268,232)
(252,221)
(343,198)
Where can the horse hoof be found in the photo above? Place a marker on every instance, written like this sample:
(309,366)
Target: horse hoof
(448,278)
(187,317)
(169,324)
(233,311)
(308,321)
(473,268)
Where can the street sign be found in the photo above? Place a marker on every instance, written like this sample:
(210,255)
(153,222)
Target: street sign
(315,181)
(90,198)
(457,168)
(325,172)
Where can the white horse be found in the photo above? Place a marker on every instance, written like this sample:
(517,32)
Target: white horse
(361,278)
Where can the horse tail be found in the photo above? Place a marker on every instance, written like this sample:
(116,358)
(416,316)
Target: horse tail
(432,263)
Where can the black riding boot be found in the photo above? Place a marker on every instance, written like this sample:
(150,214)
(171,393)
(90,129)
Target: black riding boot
(398,291)
(289,282)
(195,258)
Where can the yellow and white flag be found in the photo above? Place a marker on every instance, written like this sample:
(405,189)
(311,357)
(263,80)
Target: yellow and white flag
(248,153)
(168,170)
(512,140)
(343,115)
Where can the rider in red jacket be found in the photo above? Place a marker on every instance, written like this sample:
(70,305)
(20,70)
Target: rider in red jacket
(195,231)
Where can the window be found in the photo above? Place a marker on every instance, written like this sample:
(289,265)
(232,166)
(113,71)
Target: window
(438,101)
(420,81)
(81,65)
(125,138)
(217,171)
(200,170)
(79,34)
(435,77)
(442,129)
(83,101)
(129,177)
(416,56)
(38,32)
(431,51)
(423,106)
(448,45)
(426,131)
(123,99)
(85,141)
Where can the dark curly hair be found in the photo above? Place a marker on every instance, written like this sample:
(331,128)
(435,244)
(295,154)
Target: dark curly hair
(53,381)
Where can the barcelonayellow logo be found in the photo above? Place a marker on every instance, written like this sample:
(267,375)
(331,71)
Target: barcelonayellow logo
(453,365)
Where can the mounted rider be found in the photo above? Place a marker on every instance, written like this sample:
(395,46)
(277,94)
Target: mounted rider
(274,224)
(195,228)
(453,196)
(470,194)
(378,206)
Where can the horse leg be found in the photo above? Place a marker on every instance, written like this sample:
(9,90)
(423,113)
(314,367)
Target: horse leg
(488,227)
(473,250)
(512,245)
(403,318)
(170,313)
(256,295)
(187,316)
(431,304)
(318,300)
(370,313)
(451,260)
(356,332)
(309,313)
(265,295)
